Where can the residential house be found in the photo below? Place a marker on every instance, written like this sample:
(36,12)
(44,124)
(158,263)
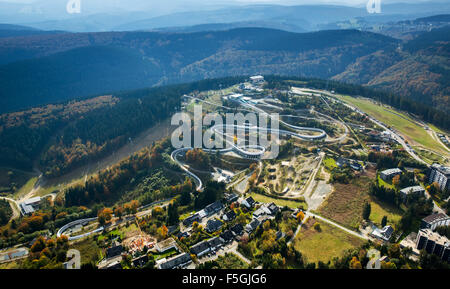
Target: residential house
(229,216)
(250,227)
(227,236)
(440,175)
(383,234)
(237,229)
(178,261)
(415,190)
(166,245)
(191,219)
(213,225)
(249,202)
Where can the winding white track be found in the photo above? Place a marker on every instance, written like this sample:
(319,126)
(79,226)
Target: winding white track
(244,151)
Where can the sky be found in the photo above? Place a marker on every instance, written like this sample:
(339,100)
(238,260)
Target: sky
(281,2)
(52,9)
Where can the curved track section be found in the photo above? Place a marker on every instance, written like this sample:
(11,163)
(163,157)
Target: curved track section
(78,222)
(244,151)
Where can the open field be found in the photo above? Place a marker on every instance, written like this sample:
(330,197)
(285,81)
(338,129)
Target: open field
(89,250)
(25,189)
(380,209)
(291,204)
(404,124)
(345,204)
(322,246)
(431,157)
(230,261)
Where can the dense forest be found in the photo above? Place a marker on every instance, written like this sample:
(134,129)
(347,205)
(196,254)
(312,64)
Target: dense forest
(79,135)
(110,184)
(5,212)
(43,69)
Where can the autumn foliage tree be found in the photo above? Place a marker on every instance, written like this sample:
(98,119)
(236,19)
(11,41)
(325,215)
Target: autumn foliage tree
(104,216)
(355,263)
(300,216)
(198,158)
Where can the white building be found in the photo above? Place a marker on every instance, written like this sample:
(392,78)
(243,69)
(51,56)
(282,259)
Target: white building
(440,175)
(412,190)
(433,243)
(28,207)
(383,234)
(387,175)
(257,79)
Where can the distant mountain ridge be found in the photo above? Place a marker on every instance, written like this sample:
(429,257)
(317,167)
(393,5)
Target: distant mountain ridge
(45,68)
(39,69)
(419,70)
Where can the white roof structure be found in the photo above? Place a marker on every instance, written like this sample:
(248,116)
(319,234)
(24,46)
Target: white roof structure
(413,190)
(32,201)
(257,78)
(392,171)
(384,234)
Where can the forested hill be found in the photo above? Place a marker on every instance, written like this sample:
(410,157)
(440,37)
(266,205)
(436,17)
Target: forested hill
(61,137)
(40,69)
(418,69)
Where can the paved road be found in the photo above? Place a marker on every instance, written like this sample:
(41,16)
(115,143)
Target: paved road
(356,234)
(14,207)
(231,248)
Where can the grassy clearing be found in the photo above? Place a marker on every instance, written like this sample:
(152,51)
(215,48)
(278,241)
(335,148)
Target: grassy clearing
(25,189)
(323,246)
(291,204)
(431,157)
(399,121)
(230,261)
(381,209)
(89,250)
(165,254)
(329,163)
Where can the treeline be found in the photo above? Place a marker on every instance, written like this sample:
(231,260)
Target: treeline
(392,160)
(424,111)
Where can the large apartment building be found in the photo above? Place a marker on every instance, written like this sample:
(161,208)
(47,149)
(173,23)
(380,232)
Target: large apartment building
(433,243)
(440,175)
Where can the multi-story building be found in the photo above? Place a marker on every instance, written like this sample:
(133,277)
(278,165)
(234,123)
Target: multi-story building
(387,175)
(436,220)
(440,175)
(416,190)
(433,243)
